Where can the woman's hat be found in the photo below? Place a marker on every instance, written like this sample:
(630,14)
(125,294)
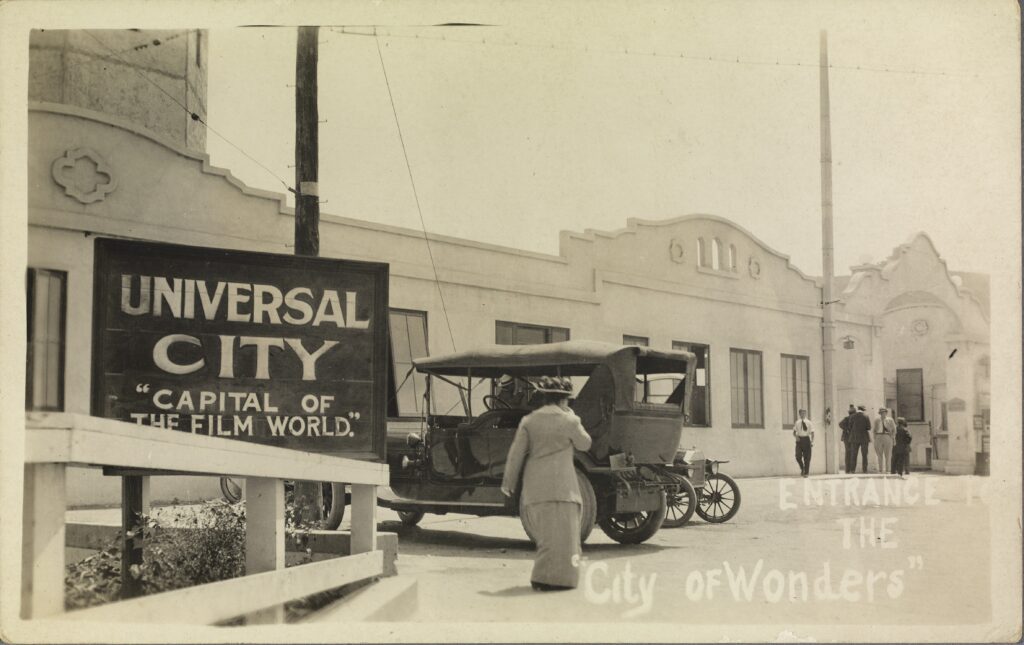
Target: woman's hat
(553,385)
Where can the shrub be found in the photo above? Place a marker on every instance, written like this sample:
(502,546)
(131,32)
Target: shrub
(174,557)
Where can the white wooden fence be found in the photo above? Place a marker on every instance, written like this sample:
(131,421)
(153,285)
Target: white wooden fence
(55,441)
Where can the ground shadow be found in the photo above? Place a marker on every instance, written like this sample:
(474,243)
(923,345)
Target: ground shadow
(510,592)
(412,539)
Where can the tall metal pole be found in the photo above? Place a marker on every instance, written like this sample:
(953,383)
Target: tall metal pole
(308,495)
(828,322)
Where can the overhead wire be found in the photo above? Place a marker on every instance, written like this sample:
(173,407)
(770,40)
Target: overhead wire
(415,193)
(193,115)
(627,51)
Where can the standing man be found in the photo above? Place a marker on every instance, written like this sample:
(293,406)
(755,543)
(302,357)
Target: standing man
(884,430)
(850,453)
(803,432)
(860,435)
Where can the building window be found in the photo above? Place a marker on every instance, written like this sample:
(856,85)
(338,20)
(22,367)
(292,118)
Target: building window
(510,333)
(796,388)
(44,375)
(716,254)
(700,400)
(408,333)
(702,258)
(747,393)
(642,341)
(732,257)
(910,394)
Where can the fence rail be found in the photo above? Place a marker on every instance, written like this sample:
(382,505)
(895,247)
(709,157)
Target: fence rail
(56,441)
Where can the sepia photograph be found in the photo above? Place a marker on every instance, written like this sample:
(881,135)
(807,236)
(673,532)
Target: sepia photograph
(389,321)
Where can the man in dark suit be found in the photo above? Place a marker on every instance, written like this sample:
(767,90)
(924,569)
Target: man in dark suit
(850,453)
(860,435)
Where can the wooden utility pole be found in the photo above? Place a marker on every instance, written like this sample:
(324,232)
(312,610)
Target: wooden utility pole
(308,495)
(828,322)
(307,144)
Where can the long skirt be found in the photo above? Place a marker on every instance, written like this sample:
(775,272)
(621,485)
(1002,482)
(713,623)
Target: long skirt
(556,528)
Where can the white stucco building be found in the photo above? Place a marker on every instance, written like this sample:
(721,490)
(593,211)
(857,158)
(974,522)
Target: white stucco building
(697,281)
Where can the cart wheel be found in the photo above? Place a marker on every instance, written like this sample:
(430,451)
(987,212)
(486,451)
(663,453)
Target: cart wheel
(719,499)
(334,505)
(588,514)
(634,528)
(680,506)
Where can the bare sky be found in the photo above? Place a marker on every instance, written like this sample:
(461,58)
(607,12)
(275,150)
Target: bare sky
(561,118)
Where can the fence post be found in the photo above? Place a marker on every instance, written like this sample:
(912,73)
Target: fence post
(42,559)
(134,505)
(364,518)
(264,536)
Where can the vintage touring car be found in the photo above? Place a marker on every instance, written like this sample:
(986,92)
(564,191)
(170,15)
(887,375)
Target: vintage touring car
(455,463)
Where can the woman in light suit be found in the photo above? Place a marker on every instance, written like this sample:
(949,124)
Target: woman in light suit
(542,451)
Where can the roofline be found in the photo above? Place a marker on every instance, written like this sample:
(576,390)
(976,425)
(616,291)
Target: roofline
(281,198)
(634,223)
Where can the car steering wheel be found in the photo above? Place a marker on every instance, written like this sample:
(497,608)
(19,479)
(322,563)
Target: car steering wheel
(492,402)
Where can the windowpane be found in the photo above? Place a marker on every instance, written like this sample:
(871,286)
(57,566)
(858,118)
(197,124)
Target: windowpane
(509,333)
(796,393)
(635,340)
(700,400)
(910,394)
(746,377)
(531,336)
(504,333)
(408,341)
(45,360)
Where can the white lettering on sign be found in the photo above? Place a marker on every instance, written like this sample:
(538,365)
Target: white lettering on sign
(263,346)
(249,303)
(164,362)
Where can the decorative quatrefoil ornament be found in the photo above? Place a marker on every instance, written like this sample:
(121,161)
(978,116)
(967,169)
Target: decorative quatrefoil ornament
(84,175)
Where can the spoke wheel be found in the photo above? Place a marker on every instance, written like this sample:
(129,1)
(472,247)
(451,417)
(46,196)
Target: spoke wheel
(719,499)
(634,528)
(588,510)
(681,506)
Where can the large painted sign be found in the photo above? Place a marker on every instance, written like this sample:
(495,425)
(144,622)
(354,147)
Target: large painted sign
(279,350)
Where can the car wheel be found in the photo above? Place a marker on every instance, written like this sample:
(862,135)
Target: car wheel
(681,506)
(410,518)
(231,490)
(634,528)
(588,510)
(719,499)
(334,505)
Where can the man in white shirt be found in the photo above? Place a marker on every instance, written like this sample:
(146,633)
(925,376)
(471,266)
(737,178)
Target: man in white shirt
(884,430)
(803,432)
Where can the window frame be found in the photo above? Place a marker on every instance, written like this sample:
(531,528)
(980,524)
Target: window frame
(629,339)
(547,329)
(425,315)
(745,353)
(706,347)
(30,295)
(919,373)
(787,425)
